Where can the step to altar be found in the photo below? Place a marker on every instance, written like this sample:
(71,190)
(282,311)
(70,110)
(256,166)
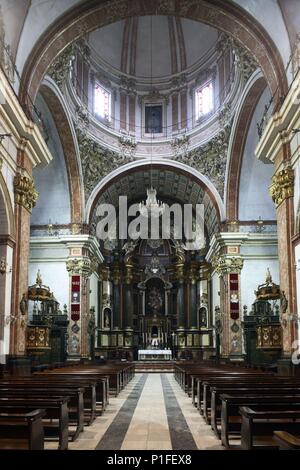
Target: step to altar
(154,366)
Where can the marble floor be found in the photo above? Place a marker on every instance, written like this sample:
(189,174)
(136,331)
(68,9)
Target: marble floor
(151,413)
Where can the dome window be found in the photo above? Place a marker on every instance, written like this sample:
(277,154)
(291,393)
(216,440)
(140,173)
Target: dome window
(102,102)
(204,100)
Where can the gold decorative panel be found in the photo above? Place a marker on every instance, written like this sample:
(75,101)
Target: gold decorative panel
(269,337)
(38,337)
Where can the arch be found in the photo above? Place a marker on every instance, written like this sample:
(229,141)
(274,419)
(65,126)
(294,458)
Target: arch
(248,103)
(221,14)
(66,132)
(145,165)
(7,221)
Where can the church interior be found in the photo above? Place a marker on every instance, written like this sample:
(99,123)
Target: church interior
(149,342)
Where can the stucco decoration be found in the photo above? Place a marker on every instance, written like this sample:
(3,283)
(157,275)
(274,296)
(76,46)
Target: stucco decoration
(245,61)
(96,161)
(210,159)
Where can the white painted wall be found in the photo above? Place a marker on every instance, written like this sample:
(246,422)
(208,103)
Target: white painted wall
(297,259)
(7,282)
(268,14)
(255,178)
(54,275)
(40,15)
(51,182)
(253,274)
(94,294)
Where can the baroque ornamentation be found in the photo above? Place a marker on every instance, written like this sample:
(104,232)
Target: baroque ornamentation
(224,264)
(61,66)
(96,161)
(211,158)
(25,192)
(180,145)
(127,145)
(81,266)
(244,61)
(128,85)
(282,186)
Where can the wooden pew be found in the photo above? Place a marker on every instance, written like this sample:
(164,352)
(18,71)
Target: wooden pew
(75,404)
(231,419)
(258,426)
(22,431)
(286,441)
(55,408)
(261,389)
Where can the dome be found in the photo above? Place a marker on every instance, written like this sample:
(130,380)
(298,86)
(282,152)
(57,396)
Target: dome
(178,45)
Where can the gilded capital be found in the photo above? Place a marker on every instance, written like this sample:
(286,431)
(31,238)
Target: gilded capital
(225,264)
(79,266)
(25,192)
(282,186)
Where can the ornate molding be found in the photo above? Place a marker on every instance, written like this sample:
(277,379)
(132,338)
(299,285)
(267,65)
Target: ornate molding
(25,192)
(84,266)
(282,186)
(244,61)
(61,66)
(180,145)
(224,264)
(97,161)
(127,145)
(210,159)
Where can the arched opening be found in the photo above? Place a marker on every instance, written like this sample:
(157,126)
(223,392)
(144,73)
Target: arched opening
(6,262)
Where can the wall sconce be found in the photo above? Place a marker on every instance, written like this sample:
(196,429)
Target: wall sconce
(3,266)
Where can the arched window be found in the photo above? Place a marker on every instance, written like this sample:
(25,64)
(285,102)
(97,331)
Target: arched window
(204,100)
(102,102)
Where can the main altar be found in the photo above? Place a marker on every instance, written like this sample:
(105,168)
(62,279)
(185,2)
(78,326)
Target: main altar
(154,354)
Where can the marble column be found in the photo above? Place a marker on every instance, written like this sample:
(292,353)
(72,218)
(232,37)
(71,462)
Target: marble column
(180,295)
(193,296)
(128,296)
(282,191)
(231,338)
(25,199)
(116,277)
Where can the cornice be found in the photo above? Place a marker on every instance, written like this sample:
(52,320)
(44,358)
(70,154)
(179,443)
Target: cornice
(68,241)
(224,239)
(279,128)
(21,127)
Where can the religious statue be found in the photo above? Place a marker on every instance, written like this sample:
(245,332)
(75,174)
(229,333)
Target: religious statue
(155,300)
(39,280)
(24,305)
(106,320)
(283,302)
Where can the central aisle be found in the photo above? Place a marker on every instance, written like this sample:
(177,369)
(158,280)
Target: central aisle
(152,413)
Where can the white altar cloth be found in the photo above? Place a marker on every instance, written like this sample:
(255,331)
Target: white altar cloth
(155,354)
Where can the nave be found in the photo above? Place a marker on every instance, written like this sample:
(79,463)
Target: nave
(151,413)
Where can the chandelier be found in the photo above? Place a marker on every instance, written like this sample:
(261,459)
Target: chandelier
(151,207)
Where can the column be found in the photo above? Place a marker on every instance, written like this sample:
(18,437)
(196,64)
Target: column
(180,295)
(116,276)
(282,192)
(192,277)
(25,199)
(128,297)
(229,267)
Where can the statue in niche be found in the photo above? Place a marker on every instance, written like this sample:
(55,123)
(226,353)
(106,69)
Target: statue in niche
(106,318)
(155,300)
